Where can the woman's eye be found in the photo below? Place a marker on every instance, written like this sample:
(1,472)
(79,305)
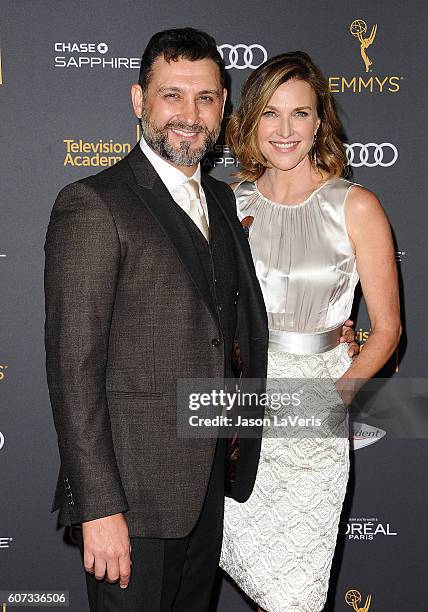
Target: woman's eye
(268,114)
(302,114)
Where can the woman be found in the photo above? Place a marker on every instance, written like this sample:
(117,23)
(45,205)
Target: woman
(313,235)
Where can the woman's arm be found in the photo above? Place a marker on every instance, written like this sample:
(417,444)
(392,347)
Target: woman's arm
(371,237)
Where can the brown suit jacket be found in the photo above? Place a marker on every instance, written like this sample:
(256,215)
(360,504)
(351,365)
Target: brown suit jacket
(128,312)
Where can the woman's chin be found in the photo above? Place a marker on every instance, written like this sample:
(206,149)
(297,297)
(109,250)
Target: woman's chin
(284,164)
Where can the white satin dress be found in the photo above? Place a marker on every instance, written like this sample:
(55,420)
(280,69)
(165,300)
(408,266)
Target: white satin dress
(278,546)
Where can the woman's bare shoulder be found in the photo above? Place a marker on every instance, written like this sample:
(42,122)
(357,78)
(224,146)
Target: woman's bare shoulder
(364,213)
(362,200)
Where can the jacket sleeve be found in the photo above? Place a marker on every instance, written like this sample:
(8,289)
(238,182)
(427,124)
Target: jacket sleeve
(82,265)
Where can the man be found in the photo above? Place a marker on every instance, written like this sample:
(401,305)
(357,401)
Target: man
(149,279)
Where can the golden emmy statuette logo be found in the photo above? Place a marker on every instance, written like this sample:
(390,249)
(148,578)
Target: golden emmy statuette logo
(358,28)
(353,599)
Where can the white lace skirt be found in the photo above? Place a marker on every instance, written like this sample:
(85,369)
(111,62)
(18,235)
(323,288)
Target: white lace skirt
(278,546)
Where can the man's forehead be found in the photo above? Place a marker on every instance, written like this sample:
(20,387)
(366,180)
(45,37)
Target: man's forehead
(203,71)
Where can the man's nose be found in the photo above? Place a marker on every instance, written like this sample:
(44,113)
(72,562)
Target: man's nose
(189,112)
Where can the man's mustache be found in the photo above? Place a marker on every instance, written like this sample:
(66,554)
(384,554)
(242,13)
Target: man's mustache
(185,127)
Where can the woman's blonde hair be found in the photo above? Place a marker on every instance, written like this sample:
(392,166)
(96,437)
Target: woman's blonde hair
(241,133)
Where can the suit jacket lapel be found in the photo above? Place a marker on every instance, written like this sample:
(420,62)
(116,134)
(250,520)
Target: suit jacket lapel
(156,197)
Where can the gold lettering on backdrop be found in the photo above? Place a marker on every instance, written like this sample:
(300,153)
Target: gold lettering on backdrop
(102,153)
(361,335)
(349,85)
(381,83)
(394,81)
(357,85)
(366,84)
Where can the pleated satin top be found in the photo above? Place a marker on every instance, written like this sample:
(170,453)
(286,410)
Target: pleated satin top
(303,257)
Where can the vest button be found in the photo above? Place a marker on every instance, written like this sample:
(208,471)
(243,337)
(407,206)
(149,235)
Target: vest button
(216,341)
(220,307)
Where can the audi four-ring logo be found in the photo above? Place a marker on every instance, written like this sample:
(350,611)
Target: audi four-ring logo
(243,56)
(371,154)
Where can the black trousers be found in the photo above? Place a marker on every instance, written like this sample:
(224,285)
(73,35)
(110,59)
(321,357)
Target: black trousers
(170,575)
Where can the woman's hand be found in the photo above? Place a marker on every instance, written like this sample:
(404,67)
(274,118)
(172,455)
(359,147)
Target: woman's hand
(348,335)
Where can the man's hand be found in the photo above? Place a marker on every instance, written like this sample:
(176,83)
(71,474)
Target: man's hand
(107,549)
(348,335)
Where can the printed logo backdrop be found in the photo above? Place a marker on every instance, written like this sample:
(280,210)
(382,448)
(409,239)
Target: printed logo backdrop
(65,73)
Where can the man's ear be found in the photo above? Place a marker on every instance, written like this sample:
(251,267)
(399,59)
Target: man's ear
(137,99)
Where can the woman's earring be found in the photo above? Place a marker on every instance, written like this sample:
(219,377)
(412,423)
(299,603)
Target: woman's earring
(314,151)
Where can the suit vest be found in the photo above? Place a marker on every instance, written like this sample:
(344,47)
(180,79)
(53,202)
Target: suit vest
(218,259)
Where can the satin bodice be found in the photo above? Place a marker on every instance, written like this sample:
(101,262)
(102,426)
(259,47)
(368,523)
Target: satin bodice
(303,257)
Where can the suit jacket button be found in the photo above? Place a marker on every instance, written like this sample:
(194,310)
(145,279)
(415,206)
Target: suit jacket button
(216,342)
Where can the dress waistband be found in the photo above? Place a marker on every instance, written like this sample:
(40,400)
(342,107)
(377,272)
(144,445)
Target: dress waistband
(304,343)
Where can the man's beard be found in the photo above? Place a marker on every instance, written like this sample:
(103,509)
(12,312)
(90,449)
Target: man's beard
(157,139)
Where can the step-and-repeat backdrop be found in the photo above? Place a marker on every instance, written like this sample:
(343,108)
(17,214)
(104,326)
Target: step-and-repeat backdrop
(65,73)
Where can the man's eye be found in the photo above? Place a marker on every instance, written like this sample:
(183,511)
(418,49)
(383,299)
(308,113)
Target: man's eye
(206,99)
(171,95)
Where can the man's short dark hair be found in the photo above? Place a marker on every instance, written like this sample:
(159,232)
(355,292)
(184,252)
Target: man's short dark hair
(180,43)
